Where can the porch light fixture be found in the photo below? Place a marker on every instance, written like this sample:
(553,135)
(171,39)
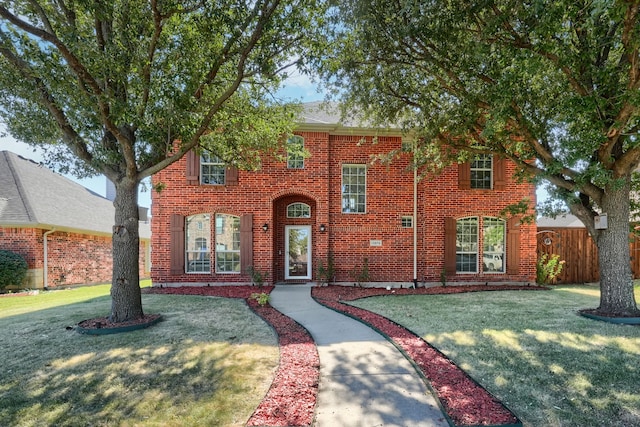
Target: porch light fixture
(323,228)
(265,227)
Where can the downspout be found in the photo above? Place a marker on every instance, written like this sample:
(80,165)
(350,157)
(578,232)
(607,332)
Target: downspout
(45,275)
(415,219)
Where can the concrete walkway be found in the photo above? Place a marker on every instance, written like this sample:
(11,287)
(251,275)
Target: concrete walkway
(364,380)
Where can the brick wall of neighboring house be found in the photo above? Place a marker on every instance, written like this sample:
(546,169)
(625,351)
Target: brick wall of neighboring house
(377,235)
(73,258)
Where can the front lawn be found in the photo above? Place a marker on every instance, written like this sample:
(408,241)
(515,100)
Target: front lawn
(530,349)
(209,362)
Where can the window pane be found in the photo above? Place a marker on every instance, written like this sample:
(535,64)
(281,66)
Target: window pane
(493,235)
(227,243)
(481,172)
(295,156)
(298,210)
(212,169)
(467,245)
(197,236)
(354,188)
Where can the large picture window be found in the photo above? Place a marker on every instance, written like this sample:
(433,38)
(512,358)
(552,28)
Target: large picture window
(197,237)
(212,169)
(354,188)
(227,243)
(481,172)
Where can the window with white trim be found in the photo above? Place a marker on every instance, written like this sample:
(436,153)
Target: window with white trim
(197,237)
(493,243)
(467,245)
(354,188)
(212,169)
(482,172)
(298,210)
(295,155)
(407,221)
(227,243)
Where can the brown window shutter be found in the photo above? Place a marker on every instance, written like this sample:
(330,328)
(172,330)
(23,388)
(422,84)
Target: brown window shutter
(464,176)
(513,246)
(499,182)
(193,168)
(246,242)
(450,245)
(231,175)
(176,244)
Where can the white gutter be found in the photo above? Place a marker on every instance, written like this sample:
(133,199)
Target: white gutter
(45,275)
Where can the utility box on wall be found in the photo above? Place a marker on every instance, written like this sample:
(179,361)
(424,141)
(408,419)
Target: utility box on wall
(600,222)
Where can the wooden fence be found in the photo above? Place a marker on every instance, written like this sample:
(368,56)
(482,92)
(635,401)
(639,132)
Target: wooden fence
(578,250)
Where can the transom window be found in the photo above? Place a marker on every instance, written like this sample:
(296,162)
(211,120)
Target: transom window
(354,188)
(467,245)
(493,238)
(481,172)
(197,236)
(212,169)
(295,155)
(298,210)
(227,243)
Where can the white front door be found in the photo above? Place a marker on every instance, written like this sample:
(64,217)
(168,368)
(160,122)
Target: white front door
(297,252)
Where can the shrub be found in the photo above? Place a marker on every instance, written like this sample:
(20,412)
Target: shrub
(548,268)
(361,273)
(261,298)
(327,273)
(258,277)
(13,269)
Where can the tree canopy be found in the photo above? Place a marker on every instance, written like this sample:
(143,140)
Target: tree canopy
(551,85)
(109,87)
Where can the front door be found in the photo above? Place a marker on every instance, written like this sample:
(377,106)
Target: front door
(297,252)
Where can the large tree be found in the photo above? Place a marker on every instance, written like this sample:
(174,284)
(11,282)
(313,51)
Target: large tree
(551,85)
(108,87)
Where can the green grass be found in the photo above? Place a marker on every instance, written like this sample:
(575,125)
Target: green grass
(209,362)
(530,349)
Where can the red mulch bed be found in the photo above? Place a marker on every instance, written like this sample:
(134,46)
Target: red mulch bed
(292,397)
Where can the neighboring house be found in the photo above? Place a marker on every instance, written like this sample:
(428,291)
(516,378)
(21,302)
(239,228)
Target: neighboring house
(62,229)
(379,223)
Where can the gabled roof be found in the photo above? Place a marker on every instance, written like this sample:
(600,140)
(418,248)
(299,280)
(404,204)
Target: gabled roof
(561,221)
(33,196)
(326,117)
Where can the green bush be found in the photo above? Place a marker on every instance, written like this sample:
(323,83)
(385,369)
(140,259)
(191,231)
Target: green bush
(13,269)
(548,269)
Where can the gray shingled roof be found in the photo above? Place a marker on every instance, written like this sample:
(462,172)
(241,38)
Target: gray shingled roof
(33,196)
(563,221)
(327,115)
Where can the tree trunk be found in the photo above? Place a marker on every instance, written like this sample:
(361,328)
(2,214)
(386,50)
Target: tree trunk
(126,300)
(616,279)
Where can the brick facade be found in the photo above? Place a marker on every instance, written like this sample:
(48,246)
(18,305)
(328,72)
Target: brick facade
(376,235)
(73,258)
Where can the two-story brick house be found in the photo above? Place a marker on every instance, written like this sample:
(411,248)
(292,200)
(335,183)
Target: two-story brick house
(210,223)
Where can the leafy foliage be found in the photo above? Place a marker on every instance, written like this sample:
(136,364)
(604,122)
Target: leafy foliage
(13,269)
(548,268)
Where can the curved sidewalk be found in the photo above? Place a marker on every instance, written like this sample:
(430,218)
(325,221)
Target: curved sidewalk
(364,379)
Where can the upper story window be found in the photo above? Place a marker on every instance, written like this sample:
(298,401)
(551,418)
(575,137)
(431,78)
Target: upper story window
(298,210)
(197,237)
(493,242)
(467,245)
(212,169)
(295,155)
(354,188)
(407,221)
(482,171)
(227,243)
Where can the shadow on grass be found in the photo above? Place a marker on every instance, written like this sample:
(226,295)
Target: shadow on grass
(208,363)
(549,365)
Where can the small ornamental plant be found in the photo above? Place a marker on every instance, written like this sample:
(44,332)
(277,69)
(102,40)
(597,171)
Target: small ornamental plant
(261,298)
(13,269)
(548,269)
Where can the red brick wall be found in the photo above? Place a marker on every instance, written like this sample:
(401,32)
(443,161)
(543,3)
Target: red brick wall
(267,192)
(73,258)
